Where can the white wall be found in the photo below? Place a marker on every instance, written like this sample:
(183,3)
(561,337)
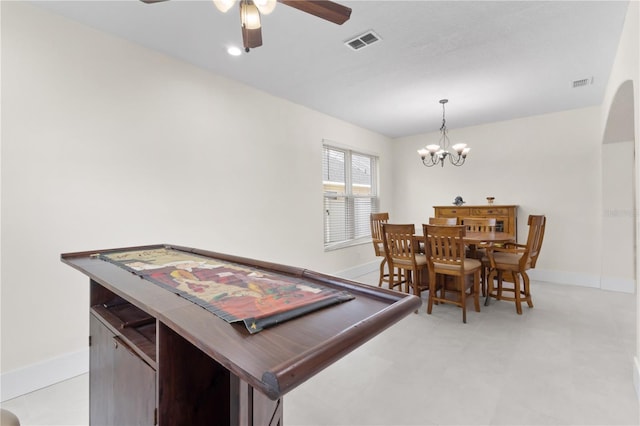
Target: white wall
(547,164)
(618,218)
(107,144)
(626,68)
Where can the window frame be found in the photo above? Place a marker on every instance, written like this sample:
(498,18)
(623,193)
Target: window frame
(350,197)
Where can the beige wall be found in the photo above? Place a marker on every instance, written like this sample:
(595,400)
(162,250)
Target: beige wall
(618,218)
(547,164)
(107,144)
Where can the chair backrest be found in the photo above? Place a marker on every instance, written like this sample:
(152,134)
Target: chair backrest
(399,242)
(443,221)
(445,244)
(479,224)
(537,224)
(376,220)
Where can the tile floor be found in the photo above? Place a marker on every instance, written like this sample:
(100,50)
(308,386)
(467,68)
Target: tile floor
(568,361)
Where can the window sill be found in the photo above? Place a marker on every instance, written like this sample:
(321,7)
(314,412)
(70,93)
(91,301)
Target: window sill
(346,244)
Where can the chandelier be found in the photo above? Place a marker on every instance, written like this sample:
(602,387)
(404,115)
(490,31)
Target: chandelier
(436,154)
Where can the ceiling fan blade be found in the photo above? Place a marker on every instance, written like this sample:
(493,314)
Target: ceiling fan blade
(251,38)
(325,9)
(152,1)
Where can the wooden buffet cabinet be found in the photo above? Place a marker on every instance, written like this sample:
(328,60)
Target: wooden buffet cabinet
(156,358)
(506,216)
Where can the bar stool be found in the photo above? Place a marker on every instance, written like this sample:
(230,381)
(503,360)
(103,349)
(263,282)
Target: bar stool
(376,220)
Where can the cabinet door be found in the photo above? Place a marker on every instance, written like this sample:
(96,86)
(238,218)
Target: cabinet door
(101,379)
(134,388)
(122,385)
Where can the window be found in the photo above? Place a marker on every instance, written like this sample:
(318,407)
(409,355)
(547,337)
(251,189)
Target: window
(349,180)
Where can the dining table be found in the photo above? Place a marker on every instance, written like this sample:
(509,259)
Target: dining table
(475,238)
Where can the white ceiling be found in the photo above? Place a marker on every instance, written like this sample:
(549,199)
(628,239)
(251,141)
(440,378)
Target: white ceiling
(493,60)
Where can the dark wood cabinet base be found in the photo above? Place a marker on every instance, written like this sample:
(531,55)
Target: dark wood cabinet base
(157,358)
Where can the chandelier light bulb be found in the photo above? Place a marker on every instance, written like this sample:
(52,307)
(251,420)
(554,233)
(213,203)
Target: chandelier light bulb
(433,148)
(459,147)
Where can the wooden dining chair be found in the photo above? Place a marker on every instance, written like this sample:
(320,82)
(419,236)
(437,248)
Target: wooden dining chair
(446,256)
(443,221)
(376,220)
(515,260)
(480,224)
(402,250)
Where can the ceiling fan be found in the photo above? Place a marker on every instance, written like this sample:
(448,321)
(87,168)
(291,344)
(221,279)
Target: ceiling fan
(250,11)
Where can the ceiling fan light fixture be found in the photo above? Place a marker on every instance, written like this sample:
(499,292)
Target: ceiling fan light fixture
(224,5)
(250,11)
(249,15)
(265,6)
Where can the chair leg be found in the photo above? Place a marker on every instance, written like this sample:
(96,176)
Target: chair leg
(489,284)
(517,292)
(411,284)
(432,291)
(382,274)
(416,285)
(397,278)
(443,287)
(463,297)
(527,291)
(392,276)
(476,290)
(397,274)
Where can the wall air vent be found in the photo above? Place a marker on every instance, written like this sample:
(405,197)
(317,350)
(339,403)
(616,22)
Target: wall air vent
(363,40)
(582,82)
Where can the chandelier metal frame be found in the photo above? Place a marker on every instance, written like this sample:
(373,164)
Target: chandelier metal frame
(436,154)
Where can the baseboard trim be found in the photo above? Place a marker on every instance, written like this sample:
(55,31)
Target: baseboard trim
(564,277)
(554,277)
(37,376)
(583,280)
(618,284)
(360,270)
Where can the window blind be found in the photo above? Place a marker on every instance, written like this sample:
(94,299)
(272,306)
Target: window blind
(350,195)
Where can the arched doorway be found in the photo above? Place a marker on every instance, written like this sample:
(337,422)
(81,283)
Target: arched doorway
(618,194)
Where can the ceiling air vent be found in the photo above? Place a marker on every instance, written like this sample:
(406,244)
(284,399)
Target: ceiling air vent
(363,40)
(583,82)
